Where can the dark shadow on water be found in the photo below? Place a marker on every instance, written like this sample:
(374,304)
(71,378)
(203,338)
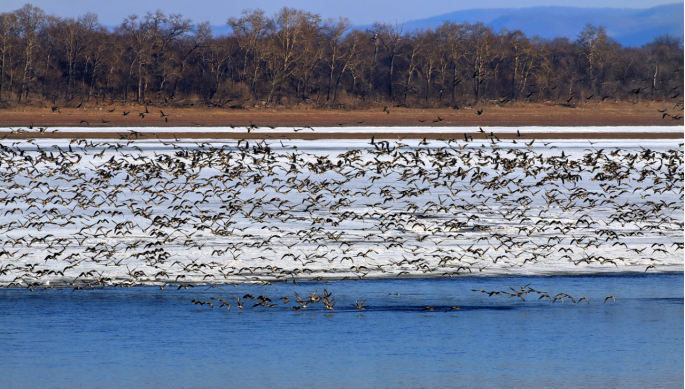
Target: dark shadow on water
(422,309)
(666,300)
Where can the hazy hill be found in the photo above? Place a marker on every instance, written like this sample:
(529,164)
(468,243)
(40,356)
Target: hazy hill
(629,26)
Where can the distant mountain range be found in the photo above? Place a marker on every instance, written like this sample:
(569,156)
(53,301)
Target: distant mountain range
(629,26)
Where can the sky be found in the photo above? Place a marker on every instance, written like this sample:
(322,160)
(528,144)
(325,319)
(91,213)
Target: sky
(360,12)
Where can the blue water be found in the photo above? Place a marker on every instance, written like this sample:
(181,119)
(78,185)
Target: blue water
(147,337)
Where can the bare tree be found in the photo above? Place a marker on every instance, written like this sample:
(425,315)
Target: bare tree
(391,39)
(31,20)
(337,54)
(482,51)
(76,35)
(522,53)
(9,36)
(251,32)
(596,48)
(290,28)
(215,58)
(661,51)
(416,49)
(453,36)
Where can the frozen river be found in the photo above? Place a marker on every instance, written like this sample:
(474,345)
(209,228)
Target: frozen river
(86,214)
(355,263)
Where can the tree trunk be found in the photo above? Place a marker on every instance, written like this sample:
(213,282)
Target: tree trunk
(140,82)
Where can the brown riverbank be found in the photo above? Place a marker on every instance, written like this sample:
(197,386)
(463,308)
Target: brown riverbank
(525,137)
(608,114)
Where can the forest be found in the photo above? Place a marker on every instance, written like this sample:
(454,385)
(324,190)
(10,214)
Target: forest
(295,58)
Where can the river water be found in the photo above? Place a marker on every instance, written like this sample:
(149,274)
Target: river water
(147,337)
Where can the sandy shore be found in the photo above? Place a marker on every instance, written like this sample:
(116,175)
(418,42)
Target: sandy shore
(607,114)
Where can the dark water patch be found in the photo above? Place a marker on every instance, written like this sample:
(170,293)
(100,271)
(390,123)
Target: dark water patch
(422,309)
(666,300)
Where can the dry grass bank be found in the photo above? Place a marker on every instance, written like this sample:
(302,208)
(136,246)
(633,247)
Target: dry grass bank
(607,114)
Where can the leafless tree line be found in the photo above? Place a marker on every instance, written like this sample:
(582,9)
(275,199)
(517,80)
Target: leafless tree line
(295,57)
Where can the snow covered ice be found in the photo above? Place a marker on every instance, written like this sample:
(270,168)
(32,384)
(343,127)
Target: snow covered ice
(85,213)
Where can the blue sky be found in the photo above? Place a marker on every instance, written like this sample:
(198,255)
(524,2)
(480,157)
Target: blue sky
(112,12)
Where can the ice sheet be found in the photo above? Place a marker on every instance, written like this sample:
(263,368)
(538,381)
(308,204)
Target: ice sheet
(89,214)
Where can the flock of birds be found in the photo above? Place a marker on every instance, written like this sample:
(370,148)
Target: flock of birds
(262,301)
(329,302)
(526,290)
(88,214)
